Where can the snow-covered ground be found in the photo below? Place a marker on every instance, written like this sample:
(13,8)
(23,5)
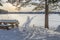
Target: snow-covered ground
(34,30)
(31,33)
(12,34)
(38,20)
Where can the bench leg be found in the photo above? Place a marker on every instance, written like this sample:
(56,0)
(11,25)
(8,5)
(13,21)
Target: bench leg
(16,25)
(12,26)
(0,23)
(8,28)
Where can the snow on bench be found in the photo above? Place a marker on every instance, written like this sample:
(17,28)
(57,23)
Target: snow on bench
(4,27)
(5,24)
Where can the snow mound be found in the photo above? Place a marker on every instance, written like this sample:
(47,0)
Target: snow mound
(29,33)
(12,34)
(39,33)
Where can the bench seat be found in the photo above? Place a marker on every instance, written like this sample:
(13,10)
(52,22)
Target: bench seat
(12,23)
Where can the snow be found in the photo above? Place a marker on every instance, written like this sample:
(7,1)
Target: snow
(31,33)
(12,34)
(54,20)
(31,26)
(34,30)
(35,1)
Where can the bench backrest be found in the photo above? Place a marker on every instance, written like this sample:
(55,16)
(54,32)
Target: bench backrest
(9,21)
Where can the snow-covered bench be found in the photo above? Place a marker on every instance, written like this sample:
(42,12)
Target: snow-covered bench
(5,27)
(5,24)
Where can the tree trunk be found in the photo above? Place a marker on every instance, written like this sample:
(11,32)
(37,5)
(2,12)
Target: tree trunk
(17,3)
(46,14)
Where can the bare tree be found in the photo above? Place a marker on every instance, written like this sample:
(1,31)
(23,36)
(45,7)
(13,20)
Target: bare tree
(1,4)
(46,14)
(23,4)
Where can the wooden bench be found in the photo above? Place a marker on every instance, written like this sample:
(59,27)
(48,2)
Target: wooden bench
(5,24)
(5,27)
